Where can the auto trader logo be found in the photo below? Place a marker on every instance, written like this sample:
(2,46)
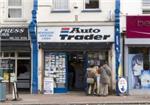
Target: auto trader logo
(82,33)
(64,31)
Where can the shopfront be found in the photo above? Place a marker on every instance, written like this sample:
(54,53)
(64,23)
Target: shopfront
(68,51)
(15,57)
(137,54)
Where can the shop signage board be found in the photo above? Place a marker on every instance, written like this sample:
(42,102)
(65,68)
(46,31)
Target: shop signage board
(138,26)
(13,33)
(76,34)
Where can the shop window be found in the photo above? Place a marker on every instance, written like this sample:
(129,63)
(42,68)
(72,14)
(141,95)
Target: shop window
(97,58)
(146,2)
(60,5)
(24,54)
(14,8)
(139,67)
(92,5)
(146,6)
(12,54)
(145,52)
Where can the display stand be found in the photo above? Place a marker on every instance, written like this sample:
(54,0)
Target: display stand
(15,94)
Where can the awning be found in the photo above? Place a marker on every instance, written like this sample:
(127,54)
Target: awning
(75,46)
(15,46)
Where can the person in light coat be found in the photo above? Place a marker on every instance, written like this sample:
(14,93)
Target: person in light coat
(92,76)
(105,75)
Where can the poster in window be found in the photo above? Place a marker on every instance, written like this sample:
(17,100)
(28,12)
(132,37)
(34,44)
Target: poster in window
(48,86)
(135,71)
(145,79)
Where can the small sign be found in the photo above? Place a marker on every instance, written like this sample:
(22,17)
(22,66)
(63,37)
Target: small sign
(122,85)
(48,86)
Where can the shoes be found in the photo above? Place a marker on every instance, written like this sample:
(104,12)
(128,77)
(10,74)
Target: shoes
(102,95)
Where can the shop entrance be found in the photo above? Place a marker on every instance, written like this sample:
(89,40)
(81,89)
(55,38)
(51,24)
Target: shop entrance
(76,71)
(78,62)
(23,75)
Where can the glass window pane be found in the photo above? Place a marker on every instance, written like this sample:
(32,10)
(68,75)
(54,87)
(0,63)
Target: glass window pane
(6,54)
(0,54)
(92,4)
(14,3)
(146,2)
(14,13)
(24,54)
(60,4)
(12,54)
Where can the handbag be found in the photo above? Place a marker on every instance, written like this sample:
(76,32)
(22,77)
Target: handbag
(90,80)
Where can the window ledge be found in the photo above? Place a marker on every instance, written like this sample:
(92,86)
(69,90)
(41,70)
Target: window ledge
(98,10)
(15,20)
(60,11)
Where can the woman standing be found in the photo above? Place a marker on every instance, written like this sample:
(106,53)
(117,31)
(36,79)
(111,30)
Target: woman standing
(104,79)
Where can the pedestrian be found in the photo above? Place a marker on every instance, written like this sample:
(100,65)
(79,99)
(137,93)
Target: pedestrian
(105,76)
(91,80)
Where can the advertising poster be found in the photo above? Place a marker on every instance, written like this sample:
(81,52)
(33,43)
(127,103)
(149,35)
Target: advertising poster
(48,86)
(145,79)
(135,70)
(139,78)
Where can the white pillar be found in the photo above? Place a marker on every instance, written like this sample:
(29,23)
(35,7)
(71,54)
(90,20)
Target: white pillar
(40,69)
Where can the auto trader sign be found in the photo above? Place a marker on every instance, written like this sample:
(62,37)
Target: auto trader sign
(76,34)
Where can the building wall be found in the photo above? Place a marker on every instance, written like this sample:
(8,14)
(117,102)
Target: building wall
(24,21)
(10,23)
(129,7)
(76,14)
(139,9)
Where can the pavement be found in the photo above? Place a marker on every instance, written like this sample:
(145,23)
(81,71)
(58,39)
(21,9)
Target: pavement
(76,98)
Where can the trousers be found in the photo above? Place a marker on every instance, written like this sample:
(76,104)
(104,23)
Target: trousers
(103,89)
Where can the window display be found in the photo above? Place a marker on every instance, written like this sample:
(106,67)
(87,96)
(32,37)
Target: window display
(7,66)
(55,67)
(97,58)
(139,68)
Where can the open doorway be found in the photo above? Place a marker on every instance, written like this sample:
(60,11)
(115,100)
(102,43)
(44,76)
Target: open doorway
(76,72)
(24,75)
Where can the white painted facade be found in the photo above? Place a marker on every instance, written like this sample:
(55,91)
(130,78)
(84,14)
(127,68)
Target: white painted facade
(26,6)
(76,16)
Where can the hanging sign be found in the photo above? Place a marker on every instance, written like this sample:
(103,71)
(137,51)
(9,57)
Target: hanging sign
(76,34)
